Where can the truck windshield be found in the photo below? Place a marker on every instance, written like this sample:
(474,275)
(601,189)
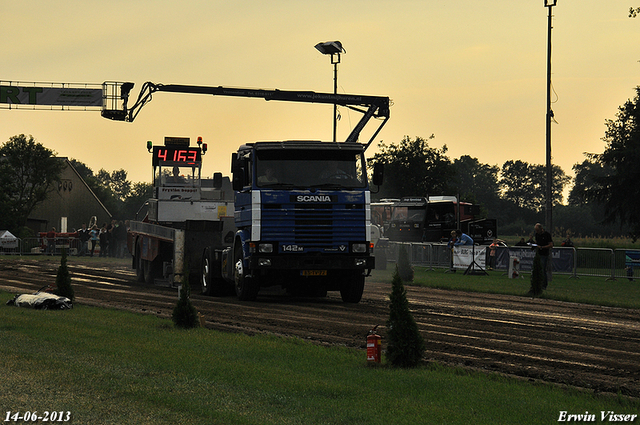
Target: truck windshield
(177,176)
(415,214)
(310,168)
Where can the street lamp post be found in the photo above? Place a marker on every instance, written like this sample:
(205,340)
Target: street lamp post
(549,116)
(333,48)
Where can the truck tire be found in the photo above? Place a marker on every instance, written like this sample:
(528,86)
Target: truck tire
(246,287)
(139,266)
(352,287)
(209,283)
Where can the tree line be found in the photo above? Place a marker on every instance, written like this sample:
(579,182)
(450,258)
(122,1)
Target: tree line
(604,199)
(29,171)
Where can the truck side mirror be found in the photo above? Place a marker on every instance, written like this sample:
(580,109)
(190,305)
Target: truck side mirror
(217,180)
(238,178)
(378,173)
(237,173)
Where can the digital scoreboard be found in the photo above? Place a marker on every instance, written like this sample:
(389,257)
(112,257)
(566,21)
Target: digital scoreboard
(177,155)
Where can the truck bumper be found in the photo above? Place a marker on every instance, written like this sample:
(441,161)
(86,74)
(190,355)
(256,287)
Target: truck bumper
(297,262)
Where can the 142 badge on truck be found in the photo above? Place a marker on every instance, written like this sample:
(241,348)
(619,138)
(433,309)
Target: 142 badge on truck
(292,248)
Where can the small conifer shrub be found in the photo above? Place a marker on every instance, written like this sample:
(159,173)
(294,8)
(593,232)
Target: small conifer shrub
(405,345)
(537,276)
(184,313)
(404,268)
(63,279)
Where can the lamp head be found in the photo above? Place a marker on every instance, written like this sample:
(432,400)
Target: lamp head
(330,48)
(550,3)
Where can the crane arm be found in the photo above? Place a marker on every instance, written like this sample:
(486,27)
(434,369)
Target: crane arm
(376,106)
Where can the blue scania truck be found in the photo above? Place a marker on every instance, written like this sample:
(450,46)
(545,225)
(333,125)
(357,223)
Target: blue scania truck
(301,208)
(303,218)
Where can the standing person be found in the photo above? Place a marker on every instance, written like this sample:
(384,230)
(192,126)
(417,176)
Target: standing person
(111,230)
(120,236)
(544,243)
(84,235)
(104,240)
(450,244)
(462,239)
(51,241)
(94,239)
(568,243)
(493,248)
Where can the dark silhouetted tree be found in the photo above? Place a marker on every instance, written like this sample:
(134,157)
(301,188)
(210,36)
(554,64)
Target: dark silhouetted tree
(413,168)
(615,186)
(28,171)
(476,182)
(405,270)
(537,277)
(405,345)
(184,313)
(63,279)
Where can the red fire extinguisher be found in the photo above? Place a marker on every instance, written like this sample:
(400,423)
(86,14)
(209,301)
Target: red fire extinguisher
(374,346)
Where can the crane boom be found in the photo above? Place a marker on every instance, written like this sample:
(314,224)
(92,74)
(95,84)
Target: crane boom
(376,106)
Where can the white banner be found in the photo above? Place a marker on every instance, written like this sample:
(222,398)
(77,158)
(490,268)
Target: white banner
(462,256)
(30,95)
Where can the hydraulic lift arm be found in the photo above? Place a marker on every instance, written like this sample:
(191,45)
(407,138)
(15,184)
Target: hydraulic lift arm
(116,93)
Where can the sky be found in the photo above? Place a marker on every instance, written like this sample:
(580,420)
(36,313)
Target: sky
(472,73)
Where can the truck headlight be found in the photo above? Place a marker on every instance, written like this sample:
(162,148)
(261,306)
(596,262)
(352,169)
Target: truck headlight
(360,248)
(265,248)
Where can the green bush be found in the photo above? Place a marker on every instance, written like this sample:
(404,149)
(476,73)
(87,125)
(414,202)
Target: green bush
(537,276)
(404,268)
(405,345)
(63,279)
(184,313)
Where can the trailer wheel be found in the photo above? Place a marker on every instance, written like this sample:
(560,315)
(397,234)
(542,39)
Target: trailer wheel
(352,287)
(150,271)
(210,284)
(246,287)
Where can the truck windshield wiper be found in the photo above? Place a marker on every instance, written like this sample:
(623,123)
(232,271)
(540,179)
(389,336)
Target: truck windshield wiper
(329,185)
(287,185)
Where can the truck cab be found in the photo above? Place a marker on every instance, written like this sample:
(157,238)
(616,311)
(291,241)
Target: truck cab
(302,210)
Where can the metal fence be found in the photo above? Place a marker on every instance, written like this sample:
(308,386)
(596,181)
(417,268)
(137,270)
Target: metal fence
(600,262)
(42,246)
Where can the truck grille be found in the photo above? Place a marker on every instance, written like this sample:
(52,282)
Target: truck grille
(313,225)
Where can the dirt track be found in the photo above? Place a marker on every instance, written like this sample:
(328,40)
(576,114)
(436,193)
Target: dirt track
(596,348)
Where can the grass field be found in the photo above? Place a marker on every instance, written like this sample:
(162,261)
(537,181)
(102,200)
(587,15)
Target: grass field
(585,289)
(113,367)
(108,366)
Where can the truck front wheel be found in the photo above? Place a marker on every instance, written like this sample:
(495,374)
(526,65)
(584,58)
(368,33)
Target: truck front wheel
(139,266)
(352,287)
(246,287)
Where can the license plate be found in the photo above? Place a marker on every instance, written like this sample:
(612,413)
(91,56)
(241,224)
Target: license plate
(313,272)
